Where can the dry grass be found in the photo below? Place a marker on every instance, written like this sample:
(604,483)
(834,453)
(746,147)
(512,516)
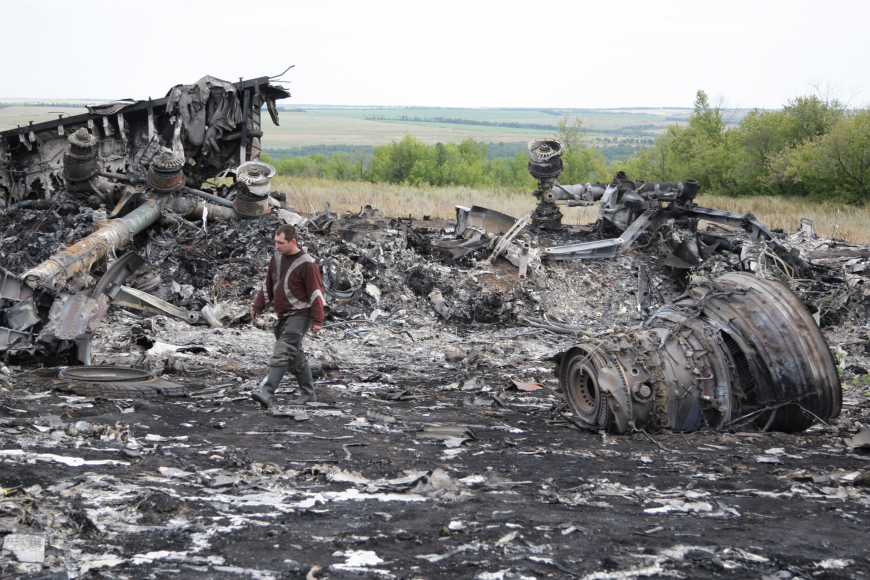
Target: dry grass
(830,220)
(308,195)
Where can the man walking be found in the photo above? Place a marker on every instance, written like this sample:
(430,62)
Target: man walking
(294,287)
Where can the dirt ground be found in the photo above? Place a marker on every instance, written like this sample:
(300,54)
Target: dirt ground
(364,485)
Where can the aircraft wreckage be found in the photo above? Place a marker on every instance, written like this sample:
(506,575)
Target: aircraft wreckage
(138,161)
(733,349)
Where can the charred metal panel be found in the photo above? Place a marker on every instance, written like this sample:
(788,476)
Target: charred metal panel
(635,207)
(132,157)
(201,121)
(482,219)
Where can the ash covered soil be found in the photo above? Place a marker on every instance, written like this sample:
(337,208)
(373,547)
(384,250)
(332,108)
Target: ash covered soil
(365,484)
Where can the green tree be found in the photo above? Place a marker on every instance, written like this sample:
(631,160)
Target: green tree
(813,116)
(340,166)
(394,162)
(836,164)
(510,172)
(582,162)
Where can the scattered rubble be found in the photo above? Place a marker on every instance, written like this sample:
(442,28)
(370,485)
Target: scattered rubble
(694,405)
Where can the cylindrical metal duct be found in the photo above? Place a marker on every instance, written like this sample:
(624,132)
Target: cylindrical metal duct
(739,345)
(256,181)
(165,175)
(80,256)
(690,190)
(80,163)
(192,209)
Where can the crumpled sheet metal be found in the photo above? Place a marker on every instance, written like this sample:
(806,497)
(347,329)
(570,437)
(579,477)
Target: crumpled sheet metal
(76,315)
(209,108)
(209,111)
(482,219)
(739,349)
(792,361)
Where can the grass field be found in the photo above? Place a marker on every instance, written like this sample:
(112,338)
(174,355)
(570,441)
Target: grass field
(377,126)
(595,120)
(308,195)
(310,125)
(21,115)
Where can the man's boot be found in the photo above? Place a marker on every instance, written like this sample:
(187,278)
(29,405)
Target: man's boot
(306,385)
(268,386)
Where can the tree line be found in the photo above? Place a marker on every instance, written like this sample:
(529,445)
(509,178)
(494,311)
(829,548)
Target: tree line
(813,147)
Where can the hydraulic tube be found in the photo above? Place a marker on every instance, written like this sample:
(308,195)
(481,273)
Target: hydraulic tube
(192,210)
(80,256)
(209,197)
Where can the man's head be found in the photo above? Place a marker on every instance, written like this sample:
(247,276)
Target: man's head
(285,240)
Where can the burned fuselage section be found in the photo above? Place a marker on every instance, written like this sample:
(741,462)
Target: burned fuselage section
(134,162)
(212,126)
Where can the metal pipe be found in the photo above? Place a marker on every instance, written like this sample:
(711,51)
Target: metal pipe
(110,175)
(243,145)
(209,197)
(33,204)
(193,210)
(80,256)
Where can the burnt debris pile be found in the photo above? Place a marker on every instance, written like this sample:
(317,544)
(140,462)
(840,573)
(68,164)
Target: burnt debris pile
(655,352)
(476,367)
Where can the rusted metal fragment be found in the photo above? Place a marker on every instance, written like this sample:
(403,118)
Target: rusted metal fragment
(165,174)
(83,254)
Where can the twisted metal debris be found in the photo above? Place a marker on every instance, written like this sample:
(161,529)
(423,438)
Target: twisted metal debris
(738,346)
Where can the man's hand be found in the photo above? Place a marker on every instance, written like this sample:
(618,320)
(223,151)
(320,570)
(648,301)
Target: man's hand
(315,327)
(254,315)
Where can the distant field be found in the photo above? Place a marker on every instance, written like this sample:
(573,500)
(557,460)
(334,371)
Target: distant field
(21,115)
(323,127)
(312,125)
(376,126)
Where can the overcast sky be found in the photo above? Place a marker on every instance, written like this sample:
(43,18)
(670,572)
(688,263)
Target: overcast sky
(447,53)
